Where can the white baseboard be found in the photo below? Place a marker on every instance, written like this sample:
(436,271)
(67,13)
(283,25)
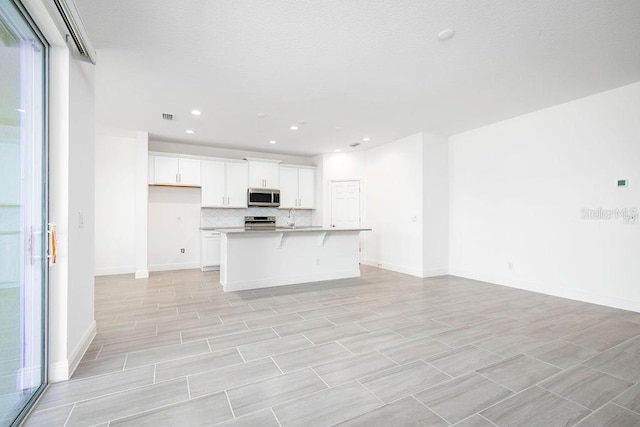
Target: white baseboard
(114,270)
(178,266)
(573,294)
(141,274)
(435,272)
(63,369)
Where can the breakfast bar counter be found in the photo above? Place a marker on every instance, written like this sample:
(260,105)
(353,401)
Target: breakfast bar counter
(252,259)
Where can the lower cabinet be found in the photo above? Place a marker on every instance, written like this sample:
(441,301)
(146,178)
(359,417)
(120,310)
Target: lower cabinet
(209,250)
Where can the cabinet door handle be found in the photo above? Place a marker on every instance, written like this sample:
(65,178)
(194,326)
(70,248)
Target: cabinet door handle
(177,177)
(223,200)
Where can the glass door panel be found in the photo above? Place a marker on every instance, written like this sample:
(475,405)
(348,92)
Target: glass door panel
(23,261)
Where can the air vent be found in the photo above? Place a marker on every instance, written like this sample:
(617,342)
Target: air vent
(355,144)
(167,116)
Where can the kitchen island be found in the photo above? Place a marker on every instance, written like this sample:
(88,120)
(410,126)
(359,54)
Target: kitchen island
(252,259)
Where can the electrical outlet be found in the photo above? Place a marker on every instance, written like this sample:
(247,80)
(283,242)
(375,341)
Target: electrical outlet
(182,250)
(510,265)
(317,261)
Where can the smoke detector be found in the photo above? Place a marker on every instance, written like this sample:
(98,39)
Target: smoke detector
(354,145)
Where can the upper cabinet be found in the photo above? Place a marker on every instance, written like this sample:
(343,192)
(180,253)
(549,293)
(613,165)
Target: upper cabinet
(297,187)
(264,173)
(174,171)
(224,184)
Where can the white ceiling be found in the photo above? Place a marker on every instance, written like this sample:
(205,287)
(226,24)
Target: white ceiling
(349,68)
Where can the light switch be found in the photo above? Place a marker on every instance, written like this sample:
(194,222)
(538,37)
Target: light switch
(80,220)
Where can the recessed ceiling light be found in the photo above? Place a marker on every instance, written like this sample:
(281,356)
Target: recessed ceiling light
(272,142)
(293,127)
(366,139)
(446,34)
(190,131)
(196,112)
(337,150)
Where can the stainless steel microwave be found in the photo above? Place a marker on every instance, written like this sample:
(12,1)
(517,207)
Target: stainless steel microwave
(263,197)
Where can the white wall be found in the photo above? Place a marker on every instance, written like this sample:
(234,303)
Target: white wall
(174,224)
(81,207)
(393,205)
(115,169)
(435,210)
(518,188)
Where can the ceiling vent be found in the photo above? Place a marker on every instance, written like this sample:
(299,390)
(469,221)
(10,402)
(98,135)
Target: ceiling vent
(354,145)
(167,116)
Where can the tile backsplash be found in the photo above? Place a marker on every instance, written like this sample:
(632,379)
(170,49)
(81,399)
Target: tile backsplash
(220,217)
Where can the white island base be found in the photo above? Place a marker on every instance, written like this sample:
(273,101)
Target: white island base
(259,259)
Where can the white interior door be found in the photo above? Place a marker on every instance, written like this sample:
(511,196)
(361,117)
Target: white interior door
(345,204)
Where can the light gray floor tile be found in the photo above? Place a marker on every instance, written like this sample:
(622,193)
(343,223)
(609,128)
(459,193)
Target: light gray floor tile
(98,367)
(268,322)
(389,322)
(355,316)
(264,418)
(307,357)
(402,381)
(196,412)
(327,407)
(194,334)
(275,346)
(302,327)
(475,421)
(630,346)
(187,306)
(535,407)
(611,415)
(129,402)
(53,417)
(248,315)
(323,312)
(404,412)
(351,368)
(561,353)
(518,372)
(461,397)
(232,376)
(71,391)
(605,335)
(410,351)
(464,335)
(462,360)
(507,345)
(334,333)
(371,341)
(112,349)
(241,338)
(421,329)
(618,363)
(272,391)
(196,364)
(586,386)
(630,399)
(170,352)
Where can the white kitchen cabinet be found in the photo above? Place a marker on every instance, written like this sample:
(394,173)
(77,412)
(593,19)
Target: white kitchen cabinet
(263,174)
(209,250)
(176,171)
(224,184)
(297,187)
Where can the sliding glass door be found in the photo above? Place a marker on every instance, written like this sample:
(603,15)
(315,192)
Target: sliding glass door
(23,213)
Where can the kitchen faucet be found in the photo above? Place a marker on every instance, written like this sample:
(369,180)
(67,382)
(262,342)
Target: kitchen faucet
(291,222)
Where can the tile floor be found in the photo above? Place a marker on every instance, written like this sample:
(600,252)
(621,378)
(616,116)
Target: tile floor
(383,350)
